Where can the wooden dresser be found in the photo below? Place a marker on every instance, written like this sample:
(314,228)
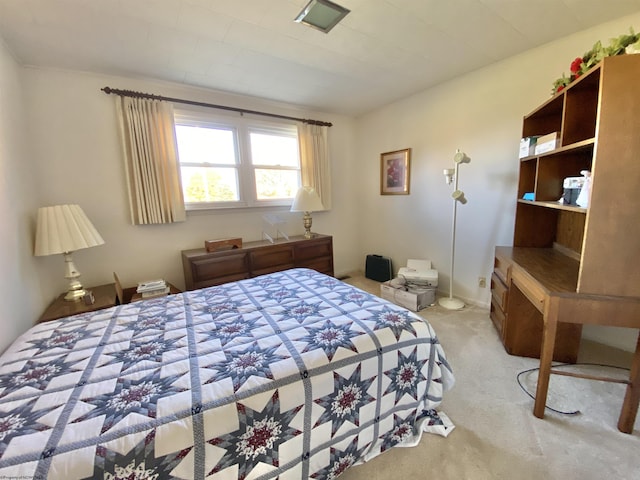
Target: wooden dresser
(203,269)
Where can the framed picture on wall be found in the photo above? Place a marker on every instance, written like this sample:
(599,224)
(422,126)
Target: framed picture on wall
(395,172)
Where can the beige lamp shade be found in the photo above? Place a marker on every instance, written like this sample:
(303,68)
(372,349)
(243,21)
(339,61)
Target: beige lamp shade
(307,200)
(64,228)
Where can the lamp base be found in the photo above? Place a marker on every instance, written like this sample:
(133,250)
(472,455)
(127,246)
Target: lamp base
(75,295)
(75,291)
(451,303)
(307,222)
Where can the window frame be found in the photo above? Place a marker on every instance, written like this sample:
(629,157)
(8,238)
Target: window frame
(241,126)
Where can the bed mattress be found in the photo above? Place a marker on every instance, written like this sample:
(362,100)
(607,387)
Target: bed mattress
(290,375)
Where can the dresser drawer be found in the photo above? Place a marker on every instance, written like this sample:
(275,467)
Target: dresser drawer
(213,281)
(322,265)
(271,258)
(502,268)
(531,289)
(499,291)
(219,266)
(313,249)
(497,317)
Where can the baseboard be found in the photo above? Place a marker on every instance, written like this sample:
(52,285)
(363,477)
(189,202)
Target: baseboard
(467,301)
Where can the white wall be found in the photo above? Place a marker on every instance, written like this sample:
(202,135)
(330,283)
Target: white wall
(20,294)
(480,113)
(73,140)
(77,150)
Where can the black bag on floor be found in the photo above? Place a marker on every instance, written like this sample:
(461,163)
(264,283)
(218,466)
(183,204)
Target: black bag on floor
(378,268)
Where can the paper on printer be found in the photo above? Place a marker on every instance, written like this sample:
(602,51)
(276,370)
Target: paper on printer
(419,272)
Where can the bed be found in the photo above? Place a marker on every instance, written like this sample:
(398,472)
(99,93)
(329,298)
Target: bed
(289,375)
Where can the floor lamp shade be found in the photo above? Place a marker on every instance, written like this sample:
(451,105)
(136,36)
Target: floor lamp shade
(65,229)
(307,200)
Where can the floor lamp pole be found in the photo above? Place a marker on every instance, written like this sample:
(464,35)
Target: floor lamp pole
(449,302)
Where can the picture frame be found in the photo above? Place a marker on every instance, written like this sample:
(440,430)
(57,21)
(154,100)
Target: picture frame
(395,172)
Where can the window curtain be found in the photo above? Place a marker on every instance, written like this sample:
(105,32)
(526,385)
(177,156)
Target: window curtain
(151,160)
(314,160)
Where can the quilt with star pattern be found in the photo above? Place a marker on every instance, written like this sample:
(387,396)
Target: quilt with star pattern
(290,375)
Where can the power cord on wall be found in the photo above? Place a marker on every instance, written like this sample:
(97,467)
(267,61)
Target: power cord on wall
(575,412)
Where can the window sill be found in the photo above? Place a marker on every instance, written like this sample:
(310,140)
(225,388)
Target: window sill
(208,210)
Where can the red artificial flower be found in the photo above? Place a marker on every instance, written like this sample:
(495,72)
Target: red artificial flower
(560,88)
(575,66)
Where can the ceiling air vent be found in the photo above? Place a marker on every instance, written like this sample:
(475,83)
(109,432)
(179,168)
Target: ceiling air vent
(322,15)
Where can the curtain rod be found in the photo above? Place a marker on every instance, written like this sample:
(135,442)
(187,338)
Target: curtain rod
(131,93)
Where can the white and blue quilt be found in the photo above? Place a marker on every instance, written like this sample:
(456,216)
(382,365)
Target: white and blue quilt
(289,375)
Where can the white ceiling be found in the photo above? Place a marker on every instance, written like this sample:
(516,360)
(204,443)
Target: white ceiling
(382,51)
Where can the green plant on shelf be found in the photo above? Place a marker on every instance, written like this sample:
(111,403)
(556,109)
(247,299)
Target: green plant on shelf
(629,42)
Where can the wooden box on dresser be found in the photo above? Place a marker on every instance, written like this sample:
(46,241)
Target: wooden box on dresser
(567,258)
(203,269)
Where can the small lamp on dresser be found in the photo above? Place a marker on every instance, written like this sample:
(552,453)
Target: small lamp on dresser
(65,229)
(307,200)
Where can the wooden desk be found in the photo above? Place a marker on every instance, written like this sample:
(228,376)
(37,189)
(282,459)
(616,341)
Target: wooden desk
(548,282)
(104,295)
(522,280)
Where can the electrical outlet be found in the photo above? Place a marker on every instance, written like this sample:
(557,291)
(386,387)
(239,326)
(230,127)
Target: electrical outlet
(482,282)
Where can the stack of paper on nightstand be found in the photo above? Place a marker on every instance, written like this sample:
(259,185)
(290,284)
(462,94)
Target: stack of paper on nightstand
(153,288)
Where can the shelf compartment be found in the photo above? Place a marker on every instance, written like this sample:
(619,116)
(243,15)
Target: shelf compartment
(581,108)
(544,175)
(527,177)
(534,226)
(545,119)
(552,170)
(586,145)
(548,224)
(570,231)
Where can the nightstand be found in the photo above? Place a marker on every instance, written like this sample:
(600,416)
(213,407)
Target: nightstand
(104,295)
(130,295)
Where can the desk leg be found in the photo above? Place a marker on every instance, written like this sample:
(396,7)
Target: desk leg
(632,397)
(549,330)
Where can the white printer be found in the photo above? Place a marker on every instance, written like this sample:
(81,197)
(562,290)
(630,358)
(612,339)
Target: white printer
(419,273)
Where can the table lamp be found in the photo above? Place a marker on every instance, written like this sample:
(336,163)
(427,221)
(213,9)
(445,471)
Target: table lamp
(307,201)
(65,229)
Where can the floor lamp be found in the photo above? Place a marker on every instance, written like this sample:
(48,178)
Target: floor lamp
(451,174)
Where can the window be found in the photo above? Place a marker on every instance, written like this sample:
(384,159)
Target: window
(236,162)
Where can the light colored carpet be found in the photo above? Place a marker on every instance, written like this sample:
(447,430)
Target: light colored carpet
(496,435)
